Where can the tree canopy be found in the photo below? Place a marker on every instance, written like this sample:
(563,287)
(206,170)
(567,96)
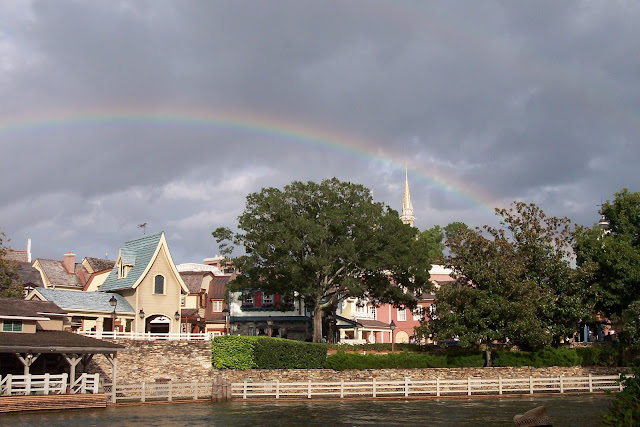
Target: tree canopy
(514,283)
(612,256)
(9,279)
(327,242)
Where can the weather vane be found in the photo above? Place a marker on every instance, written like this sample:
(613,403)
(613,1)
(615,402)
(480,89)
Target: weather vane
(144,227)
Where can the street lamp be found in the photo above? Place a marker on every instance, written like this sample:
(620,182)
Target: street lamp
(392,326)
(176,315)
(113,302)
(141,314)
(225,313)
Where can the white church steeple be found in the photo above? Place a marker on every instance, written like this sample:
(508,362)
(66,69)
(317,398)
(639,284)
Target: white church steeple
(407,216)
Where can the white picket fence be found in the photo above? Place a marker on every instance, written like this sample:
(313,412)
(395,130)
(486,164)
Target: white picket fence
(25,385)
(414,388)
(158,391)
(148,336)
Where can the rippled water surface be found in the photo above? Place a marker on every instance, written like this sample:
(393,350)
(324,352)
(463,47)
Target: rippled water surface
(583,411)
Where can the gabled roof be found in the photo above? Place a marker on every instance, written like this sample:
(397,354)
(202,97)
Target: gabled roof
(218,287)
(137,253)
(28,274)
(193,279)
(84,301)
(58,275)
(98,264)
(14,255)
(17,307)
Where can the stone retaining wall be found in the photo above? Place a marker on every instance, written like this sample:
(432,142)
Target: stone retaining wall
(191,361)
(157,360)
(296,375)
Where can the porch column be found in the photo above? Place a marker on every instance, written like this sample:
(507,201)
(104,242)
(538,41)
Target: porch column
(113,359)
(73,362)
(27,361)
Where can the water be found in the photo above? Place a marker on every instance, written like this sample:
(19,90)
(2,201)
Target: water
(583,411)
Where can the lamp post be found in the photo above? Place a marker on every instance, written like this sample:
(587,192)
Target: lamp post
(225,313)
(113,302)
(392,326)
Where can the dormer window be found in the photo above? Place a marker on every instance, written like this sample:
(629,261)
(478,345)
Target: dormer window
(123,270)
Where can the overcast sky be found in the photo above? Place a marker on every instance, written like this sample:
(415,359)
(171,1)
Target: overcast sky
(117,113)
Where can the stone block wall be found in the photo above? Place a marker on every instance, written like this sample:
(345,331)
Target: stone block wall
(295,375)
(191,361)
(157,360)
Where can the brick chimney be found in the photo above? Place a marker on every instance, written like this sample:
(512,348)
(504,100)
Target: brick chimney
(69,262)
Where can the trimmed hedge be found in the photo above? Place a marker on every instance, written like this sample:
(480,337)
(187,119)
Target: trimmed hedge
(279,353)
(249,352)
(233,352)
(599,356)
(405,360)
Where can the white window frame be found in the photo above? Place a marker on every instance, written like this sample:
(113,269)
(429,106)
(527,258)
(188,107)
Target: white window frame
(402,314)
(217,306)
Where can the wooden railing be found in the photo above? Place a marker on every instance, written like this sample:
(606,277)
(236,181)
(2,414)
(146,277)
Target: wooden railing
(25,385)
(158,391)
(411,388)
(149,336)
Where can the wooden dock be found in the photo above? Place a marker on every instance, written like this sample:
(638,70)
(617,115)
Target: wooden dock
(52,402)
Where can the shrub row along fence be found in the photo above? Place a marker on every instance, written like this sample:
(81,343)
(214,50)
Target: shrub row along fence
(437,387)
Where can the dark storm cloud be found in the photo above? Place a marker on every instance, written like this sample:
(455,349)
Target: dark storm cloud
(533,101)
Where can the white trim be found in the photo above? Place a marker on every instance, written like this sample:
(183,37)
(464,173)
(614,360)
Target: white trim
(6,317)
(172,265)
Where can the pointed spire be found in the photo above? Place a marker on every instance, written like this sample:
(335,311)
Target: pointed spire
(407,216)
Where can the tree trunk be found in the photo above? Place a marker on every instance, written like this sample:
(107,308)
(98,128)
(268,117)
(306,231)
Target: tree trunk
(487,353)
(317,324)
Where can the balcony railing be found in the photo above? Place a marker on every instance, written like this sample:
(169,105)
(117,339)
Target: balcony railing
(150,336)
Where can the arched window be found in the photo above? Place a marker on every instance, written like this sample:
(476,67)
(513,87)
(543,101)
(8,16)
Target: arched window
(159,285)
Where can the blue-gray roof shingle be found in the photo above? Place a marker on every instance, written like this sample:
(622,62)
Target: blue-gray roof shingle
(80,300)
(136,253)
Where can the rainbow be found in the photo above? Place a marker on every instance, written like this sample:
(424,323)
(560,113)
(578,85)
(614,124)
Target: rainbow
(243,122)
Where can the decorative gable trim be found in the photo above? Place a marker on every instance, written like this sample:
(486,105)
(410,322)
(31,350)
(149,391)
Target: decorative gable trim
(162,245)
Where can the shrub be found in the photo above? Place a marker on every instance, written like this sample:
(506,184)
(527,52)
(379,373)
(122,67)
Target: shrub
(405,360)
(233,352)
(556,357)
(625,410)
(512,358)
(466,361)
(278,353)
(244,352)
(599,356)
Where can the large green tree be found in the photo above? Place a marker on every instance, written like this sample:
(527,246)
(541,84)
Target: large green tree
(9,279)
(327,242)
(612,255)
(514,283)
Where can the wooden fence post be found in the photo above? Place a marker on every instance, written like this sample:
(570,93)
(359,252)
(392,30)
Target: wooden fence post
(194,384)
(530,384)
(561,384)
(142,393)
(374,387)
(438,386)
(590,384)
(309,389)
(500,384)
(341,388)
(468,386)
(406,386)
